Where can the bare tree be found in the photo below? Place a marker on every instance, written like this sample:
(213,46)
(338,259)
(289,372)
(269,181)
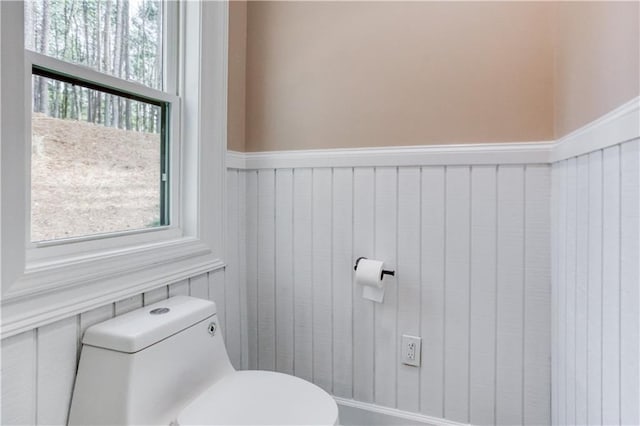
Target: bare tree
(98,64)
(117,60)
(44,48)
(125,59)
(87,54)
(107,57)
(28,24)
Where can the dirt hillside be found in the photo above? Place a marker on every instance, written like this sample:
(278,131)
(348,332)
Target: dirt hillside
(89,179)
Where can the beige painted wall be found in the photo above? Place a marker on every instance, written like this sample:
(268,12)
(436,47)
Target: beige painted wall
(597,60)
(237,75)
(357,74)
(328,74)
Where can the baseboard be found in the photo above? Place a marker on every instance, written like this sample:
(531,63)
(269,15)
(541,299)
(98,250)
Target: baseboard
(361,413)
(616,127)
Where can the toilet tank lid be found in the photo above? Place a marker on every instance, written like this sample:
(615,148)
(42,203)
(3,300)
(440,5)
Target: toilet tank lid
(143,327)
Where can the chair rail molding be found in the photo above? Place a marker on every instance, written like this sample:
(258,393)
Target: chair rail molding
(420,155)
(615,127)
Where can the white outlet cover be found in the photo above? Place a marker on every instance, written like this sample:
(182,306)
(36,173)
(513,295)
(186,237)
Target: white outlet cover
(411,350)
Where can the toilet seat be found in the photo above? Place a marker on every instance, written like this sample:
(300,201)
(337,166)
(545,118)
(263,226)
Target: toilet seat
(261,398)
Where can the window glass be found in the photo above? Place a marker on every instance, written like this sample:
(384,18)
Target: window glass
(118,37)
(97,161)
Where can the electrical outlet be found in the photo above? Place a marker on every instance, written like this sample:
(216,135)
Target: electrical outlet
(411,350)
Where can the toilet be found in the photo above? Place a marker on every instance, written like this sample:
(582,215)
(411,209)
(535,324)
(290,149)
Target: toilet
(166,364)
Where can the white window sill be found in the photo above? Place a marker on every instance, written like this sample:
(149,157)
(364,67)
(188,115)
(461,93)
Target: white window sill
(54,290)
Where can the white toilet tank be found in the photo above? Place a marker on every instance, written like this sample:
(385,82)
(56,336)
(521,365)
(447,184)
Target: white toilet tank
(144,366)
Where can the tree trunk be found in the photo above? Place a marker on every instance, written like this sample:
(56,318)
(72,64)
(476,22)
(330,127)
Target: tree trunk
(56,100)
(143,48)
(30,44)
(125,59)
(28,25)
(107,58)
(87,55)
(68,14)
(44,49)
(117,57)
(97,96)
(159,62)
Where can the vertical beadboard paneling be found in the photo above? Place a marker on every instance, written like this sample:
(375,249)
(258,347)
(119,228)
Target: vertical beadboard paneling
(456,310)
(231,282)
(129,304)
(630,283)
(537,297)
(181,288)
(408,279)
(241,284)
(57,364)
(595,308)
(570,289)
(433,290)
(155,295)
(19,379)
(363,310)
(199,287)
(266,271)
(510,295)
(302,272)
(594,304)
(342,262)
(555,201)
(582,255)
(284,270)
(385,314)
(483,296)
(561,239)
(322,274)
(611,287)
(252,208)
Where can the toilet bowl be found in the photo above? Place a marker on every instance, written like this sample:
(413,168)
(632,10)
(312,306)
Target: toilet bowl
(167,364)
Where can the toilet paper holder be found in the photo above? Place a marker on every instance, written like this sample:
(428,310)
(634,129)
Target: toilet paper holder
(384,271)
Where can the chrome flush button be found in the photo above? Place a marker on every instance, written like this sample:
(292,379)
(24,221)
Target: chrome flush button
(159,311)
(212,328)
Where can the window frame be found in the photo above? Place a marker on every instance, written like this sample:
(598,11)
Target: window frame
(39,250)
(43,282)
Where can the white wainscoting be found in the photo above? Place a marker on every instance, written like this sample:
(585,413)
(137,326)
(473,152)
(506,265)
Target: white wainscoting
(39,366)
(596,287)
(470,246)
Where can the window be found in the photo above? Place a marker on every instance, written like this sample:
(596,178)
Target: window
(99,162)
(169,114)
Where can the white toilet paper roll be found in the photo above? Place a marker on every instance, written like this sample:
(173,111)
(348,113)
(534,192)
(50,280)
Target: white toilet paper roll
(369,276)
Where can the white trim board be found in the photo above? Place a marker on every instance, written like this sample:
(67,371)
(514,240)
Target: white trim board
(361,413)
(618,126)
(236,160)
(427,155)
